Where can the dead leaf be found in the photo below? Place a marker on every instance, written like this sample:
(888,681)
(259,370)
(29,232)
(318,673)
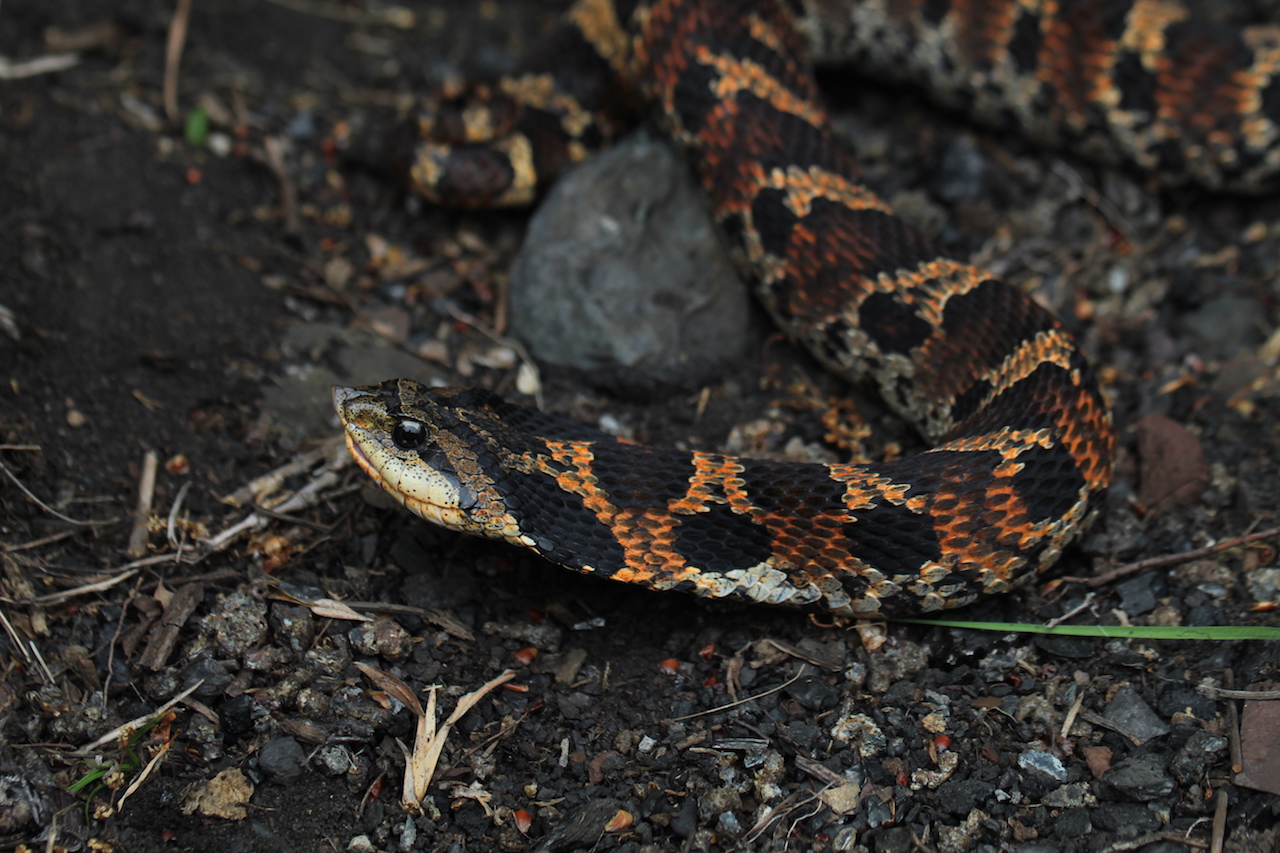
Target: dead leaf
(1260,744)
(1098,758)
(1172,464)
(841,799)
(225,796)
(393,686)
(327,608)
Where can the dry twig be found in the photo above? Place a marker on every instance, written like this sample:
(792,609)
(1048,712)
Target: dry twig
(257,490)
(1173,559)
(14,70)
(44,506)
(1218,838)
(142,511)
(309,495)
(135,723)
(1223,693)
(127,571)
(273,158)
(37,543)
(173,59)
(172,522)
(743,700)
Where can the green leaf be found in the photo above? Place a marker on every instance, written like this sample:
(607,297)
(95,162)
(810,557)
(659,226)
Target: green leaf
(196,130)
(96,773)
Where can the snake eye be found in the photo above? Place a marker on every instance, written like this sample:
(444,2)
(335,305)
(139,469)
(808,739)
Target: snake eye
(408,435)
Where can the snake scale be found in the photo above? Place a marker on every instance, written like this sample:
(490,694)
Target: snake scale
(1022,437)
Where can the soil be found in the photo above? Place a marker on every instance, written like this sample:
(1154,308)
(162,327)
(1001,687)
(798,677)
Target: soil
(160,292)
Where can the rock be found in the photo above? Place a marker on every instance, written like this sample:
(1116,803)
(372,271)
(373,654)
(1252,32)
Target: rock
(623,275)
(333,760)
(858,731)
(961,796)
(1200,750)
(1044,763)
(1260,745)
(1140,777)
(813,693)
(361,844)
(1137,595)
(213,674)
(1263,584)
(237,623)
(717,801)
(1072,823)
(236,715)
(1070,796)
(686,820)
(1225,326)
(382,638)
(292,626)
(1129,819)
(895,839)
(282,760)
(1134,716)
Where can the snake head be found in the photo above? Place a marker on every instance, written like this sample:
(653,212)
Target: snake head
(408,444)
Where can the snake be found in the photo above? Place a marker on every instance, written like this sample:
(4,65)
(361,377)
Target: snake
(1022,439)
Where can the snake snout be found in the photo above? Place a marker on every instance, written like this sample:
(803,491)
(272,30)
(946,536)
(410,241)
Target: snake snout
(342,395)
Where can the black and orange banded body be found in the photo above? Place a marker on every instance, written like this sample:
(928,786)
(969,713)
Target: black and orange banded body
(1023,439)
(1119,81)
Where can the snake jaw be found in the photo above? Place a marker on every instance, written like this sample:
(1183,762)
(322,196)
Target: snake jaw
(428,492)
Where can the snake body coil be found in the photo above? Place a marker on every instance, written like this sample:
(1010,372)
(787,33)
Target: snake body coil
(1023,439)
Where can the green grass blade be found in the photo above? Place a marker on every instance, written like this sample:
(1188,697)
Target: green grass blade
(1136,632)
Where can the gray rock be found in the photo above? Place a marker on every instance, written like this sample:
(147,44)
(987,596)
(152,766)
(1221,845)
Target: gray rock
(1126,819)
(1072,823)
(282,760)
(1137,596)
(814,693)
(292,626)
(382,638)
(237,623)
(717,801)
(1141,778)
(1069,796)
(299,406)
(623,275)
(1134,716)
(333,760)
(1200,750)
(1225,326)
(895,839)
(1044,763)
(213,674)
(686,820)
(958,797)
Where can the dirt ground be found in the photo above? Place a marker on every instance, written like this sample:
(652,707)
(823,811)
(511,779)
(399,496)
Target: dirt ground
(193,294)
